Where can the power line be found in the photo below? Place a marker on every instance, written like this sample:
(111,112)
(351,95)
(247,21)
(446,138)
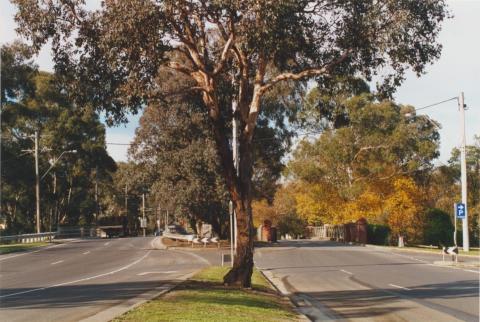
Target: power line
(438,103)
(114,143)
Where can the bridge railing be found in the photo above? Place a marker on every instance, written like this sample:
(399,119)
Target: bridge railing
(28,238)
(331,232)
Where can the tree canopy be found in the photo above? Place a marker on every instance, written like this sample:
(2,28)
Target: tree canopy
(33,101)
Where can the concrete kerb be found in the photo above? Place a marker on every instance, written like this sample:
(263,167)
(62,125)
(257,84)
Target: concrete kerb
(117,310)
(305,312)
(157,243)
(285,294)
(399,249)
(456,264)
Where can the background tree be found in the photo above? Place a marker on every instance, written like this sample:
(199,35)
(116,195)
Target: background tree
(115,53)
(174,148)
(17,73)
(34,101)
(405,211)
(348,172)
(444,185)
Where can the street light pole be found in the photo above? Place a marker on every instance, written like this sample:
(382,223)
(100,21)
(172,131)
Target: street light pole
(230,210)
(463,167)
(143,211)
(37,184)
(38,178)
(235,159)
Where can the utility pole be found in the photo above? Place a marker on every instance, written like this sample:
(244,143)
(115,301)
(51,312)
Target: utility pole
(463,167)
(96,196)
(235,159)
(143,211)
(230,210)
(37,183)
(166,221)
(36,151)
(126,200)
(56,201)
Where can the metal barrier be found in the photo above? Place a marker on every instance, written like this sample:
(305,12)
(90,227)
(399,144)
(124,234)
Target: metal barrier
(77,232)
(335,232)
(28,238)
(188,238)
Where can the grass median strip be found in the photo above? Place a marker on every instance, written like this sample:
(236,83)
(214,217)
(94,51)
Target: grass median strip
(204,298)
(11,248)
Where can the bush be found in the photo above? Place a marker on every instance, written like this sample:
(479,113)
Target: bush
(378,234)
(438,228)
(292,225)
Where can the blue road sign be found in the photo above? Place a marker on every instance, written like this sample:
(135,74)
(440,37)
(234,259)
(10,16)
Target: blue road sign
(460,210)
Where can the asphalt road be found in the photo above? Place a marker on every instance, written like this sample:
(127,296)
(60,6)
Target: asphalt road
(81,279)
(330,281)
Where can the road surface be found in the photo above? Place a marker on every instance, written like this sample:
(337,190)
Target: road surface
(330,281)
(83,278)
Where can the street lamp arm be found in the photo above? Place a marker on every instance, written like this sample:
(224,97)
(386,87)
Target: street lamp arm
(55,162)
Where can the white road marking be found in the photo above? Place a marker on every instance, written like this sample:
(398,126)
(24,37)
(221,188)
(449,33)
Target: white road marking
(346,272)
(165,272)
(87,252)
(194,255)
(434,265)
(80,280)
(106,244)
(398,286)
(55,263)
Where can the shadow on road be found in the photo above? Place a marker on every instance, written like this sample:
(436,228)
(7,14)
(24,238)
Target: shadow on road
(339,265)
(303,243)
(76,295)
(370,303)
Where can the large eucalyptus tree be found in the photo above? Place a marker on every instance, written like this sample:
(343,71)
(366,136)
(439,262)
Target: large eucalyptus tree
(114,54)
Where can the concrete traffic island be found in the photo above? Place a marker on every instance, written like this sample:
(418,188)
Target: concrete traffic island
(459,264)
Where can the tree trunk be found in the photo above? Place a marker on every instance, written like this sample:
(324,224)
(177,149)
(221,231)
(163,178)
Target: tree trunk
(241,272)
(240,191)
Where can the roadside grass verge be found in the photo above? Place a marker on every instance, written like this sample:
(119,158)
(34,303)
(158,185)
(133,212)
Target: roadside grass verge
(204,298)
(11,248)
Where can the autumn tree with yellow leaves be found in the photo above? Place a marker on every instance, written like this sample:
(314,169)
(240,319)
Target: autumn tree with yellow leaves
(351,170)
(405,210)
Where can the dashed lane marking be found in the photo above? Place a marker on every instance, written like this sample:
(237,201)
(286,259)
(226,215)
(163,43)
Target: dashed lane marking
(165,272)
(346,272)
(403,288)
(87,252)
(55,263)
(79,280)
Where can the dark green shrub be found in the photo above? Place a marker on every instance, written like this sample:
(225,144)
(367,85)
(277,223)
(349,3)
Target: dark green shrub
(292,225)
(438,228)
(378,234)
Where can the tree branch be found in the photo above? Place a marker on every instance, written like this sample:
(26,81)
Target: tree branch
(224,56)
(181,68)
(306,73)
(370,147)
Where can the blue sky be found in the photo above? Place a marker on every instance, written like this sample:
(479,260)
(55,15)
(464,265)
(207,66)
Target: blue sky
(457,70)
